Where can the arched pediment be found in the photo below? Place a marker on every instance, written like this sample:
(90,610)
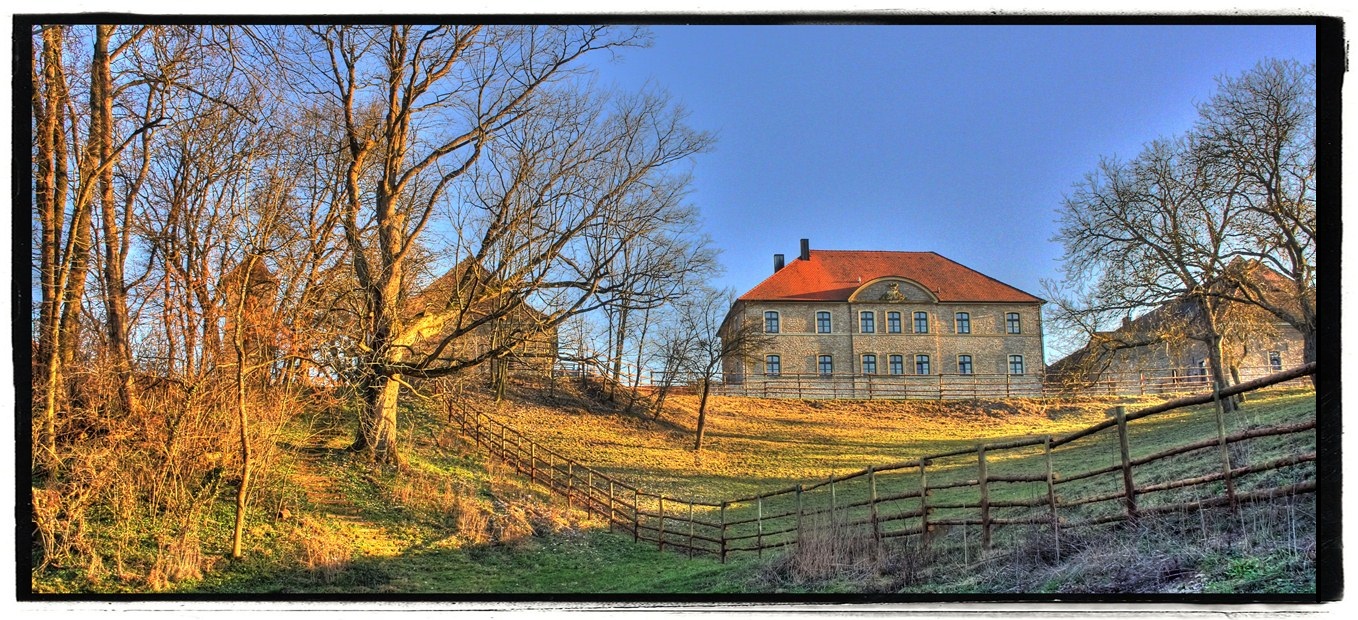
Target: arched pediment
(893,289)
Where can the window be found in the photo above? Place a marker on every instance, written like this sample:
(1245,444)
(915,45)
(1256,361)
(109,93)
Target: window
(770,322)
(822,322)
(773,365)
(869,364)
(964,364)
(1011,323)
(826,365)
(921,322)
(921,364)
(964,322)
(1015,364)
(897,364)
(893,322)
(1275,359)
(867,322)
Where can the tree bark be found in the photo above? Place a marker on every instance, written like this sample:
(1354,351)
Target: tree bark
(242,413)
(1214,358)
(382,446)
(702,416)
(641,346)
(114,236)
(50,198)
(619,343)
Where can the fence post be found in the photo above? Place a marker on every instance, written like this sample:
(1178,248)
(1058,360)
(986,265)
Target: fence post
(923,505)
(1129,488)
(1051,494)
(570,484)
(610,505)
(636,515)
(1006,385)
(504,454)
(833,501)
(985,497)
(533,461)
(834,525)
(872,504)
(661,532)
(799,516)
(723,533)
(1223,447)
(589,491)
(759,525)
(690,529)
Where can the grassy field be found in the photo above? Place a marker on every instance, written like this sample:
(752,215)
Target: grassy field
(759,445)
(454,522)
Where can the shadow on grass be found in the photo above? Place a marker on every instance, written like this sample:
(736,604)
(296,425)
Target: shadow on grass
(593,561)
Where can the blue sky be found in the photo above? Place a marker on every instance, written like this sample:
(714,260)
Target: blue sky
(960,140)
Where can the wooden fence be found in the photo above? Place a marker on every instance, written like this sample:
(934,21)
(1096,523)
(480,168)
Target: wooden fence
(986,487)
(950,386)
(884,387)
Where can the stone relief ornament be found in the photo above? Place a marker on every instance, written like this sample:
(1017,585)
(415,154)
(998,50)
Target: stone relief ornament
(893,292)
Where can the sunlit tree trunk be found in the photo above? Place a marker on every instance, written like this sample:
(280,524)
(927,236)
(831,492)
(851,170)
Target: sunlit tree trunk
(115,236)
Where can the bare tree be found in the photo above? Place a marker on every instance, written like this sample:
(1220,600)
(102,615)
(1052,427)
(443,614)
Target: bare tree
(1259,131)
(75,178)
(1206,222)
(536,188)
(1138,235)
(704,342)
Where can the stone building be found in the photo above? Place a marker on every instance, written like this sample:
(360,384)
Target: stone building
(476,294)
(873,324)
(1158,352)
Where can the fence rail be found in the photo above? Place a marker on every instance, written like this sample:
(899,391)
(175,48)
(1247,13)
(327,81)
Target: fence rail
(966,487)
(955,385)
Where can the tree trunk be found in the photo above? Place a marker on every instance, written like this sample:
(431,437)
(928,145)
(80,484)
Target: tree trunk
(46,118)
(242,414)
(1217,368)
(378,430)
(1308,351)
(641,346)
(702,416)
(619,342)
(115,289)
(50,202)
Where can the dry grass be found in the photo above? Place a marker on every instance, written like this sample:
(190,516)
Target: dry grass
(134,501)
(325,549)
(757,444)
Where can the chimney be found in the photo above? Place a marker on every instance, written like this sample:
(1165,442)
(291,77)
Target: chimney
(777,263)
(806,249)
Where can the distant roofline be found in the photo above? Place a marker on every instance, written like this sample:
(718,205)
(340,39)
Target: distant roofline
(746,297)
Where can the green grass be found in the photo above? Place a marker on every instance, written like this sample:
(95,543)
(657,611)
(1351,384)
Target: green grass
(454,522)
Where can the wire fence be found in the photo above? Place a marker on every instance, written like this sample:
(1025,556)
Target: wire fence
(1047,484)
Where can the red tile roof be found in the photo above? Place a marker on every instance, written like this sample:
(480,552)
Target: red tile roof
(833,275)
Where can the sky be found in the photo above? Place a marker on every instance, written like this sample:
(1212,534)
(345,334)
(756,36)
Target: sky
(960,140)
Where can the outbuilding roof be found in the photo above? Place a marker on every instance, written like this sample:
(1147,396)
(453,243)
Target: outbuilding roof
(834,275)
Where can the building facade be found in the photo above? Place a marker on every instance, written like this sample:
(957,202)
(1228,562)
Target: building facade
(1155,352)
(876,324)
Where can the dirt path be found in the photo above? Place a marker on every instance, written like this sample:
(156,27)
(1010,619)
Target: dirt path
(327,503)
